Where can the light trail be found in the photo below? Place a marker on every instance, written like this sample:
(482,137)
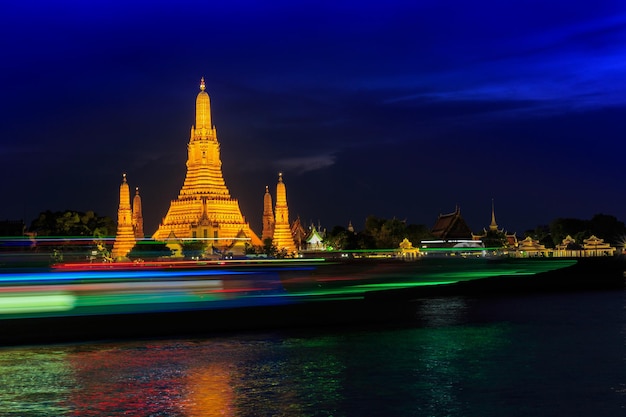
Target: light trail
(71,292)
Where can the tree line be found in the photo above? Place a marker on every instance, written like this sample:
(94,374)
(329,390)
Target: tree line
(604,226)
(377,233)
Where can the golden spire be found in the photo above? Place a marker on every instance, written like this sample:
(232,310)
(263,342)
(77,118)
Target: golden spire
(283,239)
(493,226)
(124,237)
(204,207)
(268,215)
(203,112)
(137,215)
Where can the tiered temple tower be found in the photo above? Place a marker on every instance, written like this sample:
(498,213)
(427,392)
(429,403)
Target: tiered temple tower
(268,216)
(125,236)
(204,208)
(137,216)
(282,239)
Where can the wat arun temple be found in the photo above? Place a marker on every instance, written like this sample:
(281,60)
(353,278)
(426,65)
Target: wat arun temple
(204,209)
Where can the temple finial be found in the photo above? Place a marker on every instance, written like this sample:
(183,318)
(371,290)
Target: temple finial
(137,190)
(280,177)
(124,177)
(202,85)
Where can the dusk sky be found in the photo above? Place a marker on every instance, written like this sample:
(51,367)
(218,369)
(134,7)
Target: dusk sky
(398,109)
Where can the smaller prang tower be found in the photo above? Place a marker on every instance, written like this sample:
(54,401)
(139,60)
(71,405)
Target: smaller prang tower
(282,239)
(137,216)
(268,216)
(125,236)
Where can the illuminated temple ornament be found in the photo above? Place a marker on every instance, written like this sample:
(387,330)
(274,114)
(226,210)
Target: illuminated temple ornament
(268,216)
(125,236)
(283,239)
(204,208)
(137,216)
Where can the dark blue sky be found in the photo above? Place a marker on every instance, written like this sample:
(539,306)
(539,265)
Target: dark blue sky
(396,109)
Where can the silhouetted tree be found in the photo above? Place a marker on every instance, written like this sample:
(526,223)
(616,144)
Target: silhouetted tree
(341,238)
(561,227)
(608,228)
(495,239)
(418,232)
(72,223)
(390,234)
(149,250)
(194,248)
(269,248)
(542,234)
(378,234)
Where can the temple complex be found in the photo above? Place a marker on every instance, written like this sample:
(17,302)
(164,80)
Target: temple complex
(282,239)
(204,208)
(125,236)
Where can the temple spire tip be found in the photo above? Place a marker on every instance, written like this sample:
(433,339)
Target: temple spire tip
(202,84)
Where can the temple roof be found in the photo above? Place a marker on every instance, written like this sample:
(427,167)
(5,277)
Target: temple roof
(451,226)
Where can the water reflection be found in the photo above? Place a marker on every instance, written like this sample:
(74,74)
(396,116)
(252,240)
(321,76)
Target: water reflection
(210,391)
(445,311)
(552,355)
(34,381)
(279,376)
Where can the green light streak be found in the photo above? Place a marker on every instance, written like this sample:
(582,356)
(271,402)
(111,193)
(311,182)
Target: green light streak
(36,303)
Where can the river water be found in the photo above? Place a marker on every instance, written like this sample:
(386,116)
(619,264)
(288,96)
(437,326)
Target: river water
(533,355)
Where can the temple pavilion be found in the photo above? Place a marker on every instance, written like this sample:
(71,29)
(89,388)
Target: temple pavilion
(451,226)
(204,208)
(594,246)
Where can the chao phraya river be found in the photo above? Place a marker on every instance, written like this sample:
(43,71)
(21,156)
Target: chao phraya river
(557,354)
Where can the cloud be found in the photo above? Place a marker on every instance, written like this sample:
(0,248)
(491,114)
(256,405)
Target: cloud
(300,165)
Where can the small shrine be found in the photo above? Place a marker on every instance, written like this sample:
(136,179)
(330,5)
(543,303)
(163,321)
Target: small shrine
(594,246)
(530,247)
(407,251)
(568,248)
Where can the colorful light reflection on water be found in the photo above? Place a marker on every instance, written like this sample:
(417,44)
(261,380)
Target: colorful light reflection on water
(538,355)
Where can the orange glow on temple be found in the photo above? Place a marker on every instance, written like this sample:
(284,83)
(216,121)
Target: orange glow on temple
(204,208)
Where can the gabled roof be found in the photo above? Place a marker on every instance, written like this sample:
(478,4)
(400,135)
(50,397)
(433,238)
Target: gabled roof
(297,230)
(314,236)
(595,242)
(530,244)
(451,226)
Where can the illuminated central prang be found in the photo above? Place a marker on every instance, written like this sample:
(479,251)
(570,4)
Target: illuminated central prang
(204,208)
